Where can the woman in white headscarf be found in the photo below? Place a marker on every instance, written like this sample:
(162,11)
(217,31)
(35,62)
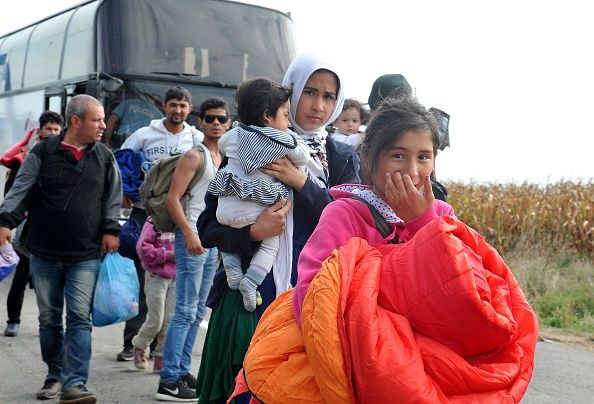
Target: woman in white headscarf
(318,96)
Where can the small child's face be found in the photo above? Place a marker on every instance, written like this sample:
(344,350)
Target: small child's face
(49,129)
(281,120)
(349,121)
(411,154)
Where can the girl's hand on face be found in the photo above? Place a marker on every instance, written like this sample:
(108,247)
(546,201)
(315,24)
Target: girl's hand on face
(403,197)
(284,171)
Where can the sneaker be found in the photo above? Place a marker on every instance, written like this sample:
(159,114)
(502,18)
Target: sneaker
(178,391)
(190,380)
(126,354)
(12,330)
(157,364)
(77,394)
(140,358)
(51,388)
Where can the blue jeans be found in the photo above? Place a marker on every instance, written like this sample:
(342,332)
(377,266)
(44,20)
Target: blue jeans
(193,279)
(67,355)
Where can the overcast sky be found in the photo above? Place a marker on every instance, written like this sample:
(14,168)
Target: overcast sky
(517,77)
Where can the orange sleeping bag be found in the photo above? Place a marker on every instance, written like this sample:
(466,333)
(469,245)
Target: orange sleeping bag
(437,319)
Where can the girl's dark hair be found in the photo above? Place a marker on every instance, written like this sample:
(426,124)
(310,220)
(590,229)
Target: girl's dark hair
(257,97)
(389,122)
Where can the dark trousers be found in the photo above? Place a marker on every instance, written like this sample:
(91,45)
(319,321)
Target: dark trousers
(133,325)
(16,294)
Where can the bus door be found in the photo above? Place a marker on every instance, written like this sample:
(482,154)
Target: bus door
(56,97)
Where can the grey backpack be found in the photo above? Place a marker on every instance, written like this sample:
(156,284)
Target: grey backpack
(154,189)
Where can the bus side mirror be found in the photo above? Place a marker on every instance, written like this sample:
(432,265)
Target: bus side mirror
(109,83)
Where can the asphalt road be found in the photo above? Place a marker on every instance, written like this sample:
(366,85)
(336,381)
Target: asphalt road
(563,374)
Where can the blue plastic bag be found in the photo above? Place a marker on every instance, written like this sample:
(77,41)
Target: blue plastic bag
(116,291)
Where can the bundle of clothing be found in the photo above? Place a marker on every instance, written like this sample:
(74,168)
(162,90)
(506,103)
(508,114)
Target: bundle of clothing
(130,163)
(14,157)
(438,319)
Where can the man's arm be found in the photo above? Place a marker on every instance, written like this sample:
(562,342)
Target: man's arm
(182,176)
(112,201)
(16,202)
(111,208)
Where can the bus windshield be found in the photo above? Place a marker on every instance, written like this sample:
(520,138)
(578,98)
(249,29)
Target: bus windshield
(216,41)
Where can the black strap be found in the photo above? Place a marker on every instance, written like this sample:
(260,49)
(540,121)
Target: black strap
(381,224)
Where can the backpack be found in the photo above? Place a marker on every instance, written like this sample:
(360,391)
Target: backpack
(154,189)
(381,224)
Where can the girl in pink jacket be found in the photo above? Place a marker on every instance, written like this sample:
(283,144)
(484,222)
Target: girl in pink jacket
(157,256)
(397,162)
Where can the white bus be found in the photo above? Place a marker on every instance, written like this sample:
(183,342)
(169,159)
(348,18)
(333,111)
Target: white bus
(120,49)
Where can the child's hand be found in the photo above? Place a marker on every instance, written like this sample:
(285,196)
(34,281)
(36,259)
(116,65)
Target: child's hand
(403,197)
(171,256)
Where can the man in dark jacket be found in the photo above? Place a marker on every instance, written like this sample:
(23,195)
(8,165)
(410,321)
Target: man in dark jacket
(71,187)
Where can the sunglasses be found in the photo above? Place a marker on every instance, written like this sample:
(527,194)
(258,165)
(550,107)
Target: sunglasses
(211,118)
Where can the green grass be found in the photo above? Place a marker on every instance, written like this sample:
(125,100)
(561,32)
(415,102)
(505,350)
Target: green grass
(559,286)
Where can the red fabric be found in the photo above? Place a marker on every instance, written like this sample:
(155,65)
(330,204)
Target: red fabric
(240,388)
(78,154)
(340,221)
(417,325)
(16,154)
(437,319)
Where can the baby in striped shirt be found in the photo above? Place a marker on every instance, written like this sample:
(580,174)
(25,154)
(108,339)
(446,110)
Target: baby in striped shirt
(244,191)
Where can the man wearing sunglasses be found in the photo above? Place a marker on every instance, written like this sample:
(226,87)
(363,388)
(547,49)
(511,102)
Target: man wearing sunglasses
(163,137)
(214,122)
(195,265)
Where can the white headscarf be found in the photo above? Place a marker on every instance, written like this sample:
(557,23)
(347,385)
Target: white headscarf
(297,75)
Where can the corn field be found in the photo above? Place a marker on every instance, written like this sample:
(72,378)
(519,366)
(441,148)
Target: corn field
(559,216)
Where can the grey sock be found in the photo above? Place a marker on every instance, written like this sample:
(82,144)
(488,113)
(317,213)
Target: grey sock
(248,285)
(232,264)
(248,290)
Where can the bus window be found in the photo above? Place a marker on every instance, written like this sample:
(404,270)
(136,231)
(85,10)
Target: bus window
(15,48)
(45,51)
(54,103)
(220,41)
(209,47)
(78,49)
